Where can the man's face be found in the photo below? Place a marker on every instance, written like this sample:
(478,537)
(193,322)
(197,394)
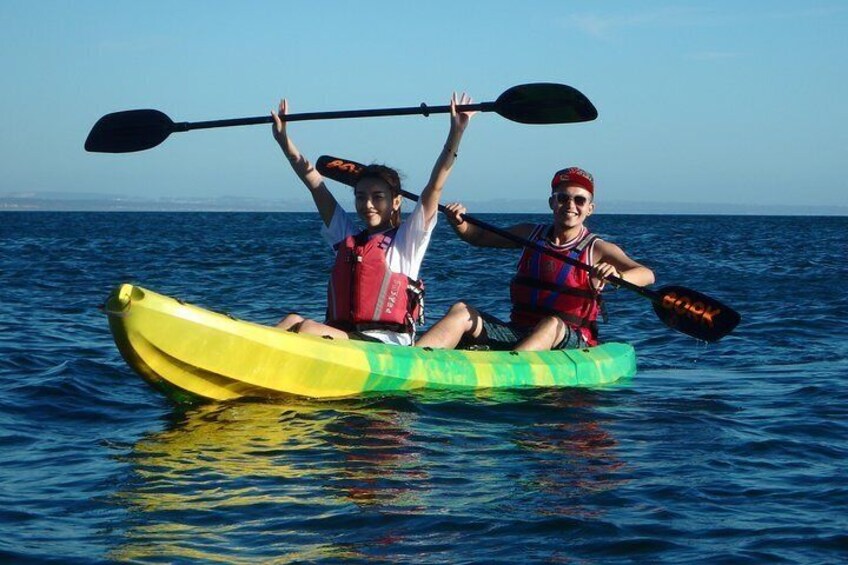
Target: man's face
(571,205)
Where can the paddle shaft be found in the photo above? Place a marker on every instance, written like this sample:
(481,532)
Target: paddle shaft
(618,281)
(423,109)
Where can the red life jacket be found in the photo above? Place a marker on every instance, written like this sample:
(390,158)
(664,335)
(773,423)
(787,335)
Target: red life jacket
(545,286)
(365,294)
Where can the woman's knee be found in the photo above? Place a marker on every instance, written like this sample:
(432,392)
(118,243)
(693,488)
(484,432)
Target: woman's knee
(291,322)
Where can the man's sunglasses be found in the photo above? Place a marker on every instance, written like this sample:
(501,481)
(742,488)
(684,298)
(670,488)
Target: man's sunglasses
(563,198)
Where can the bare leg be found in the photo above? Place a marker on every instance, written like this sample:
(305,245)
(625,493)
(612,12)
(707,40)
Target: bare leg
(298,324)
(547,333)
(291,320)
(460,320)
(311,327)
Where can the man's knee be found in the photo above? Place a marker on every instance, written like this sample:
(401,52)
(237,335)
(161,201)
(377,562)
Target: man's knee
(462,309)
(472,322)
(459,309)
(550,323)
(551,327)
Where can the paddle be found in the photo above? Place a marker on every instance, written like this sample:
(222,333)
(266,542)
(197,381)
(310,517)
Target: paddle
(536,103)
(680,308)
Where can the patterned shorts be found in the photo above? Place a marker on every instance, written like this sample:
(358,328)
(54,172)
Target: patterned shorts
(502,336)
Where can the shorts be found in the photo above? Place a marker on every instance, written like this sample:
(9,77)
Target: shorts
(504,336)
(375,333)
(383,336)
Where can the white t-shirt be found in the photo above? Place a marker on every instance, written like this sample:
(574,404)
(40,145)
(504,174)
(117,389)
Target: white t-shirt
(405,254)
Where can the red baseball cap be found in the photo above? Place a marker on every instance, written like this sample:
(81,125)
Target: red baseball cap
(574,175)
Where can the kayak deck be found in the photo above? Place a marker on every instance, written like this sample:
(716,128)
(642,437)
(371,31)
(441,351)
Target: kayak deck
(192,354)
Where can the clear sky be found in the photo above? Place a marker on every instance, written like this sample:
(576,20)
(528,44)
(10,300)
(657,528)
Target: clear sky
(715,102)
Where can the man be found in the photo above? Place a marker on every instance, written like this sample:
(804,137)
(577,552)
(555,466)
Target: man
(554,305)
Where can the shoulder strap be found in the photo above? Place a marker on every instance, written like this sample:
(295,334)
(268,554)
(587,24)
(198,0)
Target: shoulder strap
(585,242)
(361,238)
(539,231)
(364,237)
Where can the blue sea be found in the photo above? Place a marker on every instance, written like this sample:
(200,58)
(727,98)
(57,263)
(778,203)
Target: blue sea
(733,452)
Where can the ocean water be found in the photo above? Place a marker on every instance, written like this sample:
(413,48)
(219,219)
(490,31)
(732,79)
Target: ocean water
(733,452)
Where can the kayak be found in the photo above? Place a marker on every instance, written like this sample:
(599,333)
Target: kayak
(191,354)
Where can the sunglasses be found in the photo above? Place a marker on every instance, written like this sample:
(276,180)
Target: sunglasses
(563,198)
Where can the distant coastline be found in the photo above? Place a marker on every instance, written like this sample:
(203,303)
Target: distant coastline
(92,202)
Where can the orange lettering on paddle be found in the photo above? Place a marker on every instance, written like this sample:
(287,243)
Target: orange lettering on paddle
(343,165)
(681,305)
(668,300)
(708,315)
(696,310)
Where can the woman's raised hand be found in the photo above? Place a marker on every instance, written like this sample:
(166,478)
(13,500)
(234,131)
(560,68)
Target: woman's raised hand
(279,127)
(460,119)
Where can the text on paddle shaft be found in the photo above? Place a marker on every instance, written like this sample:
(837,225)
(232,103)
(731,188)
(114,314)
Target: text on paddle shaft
(696,310)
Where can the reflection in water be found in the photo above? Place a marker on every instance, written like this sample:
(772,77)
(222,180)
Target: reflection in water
(265,470)
(574,458)
(250,482)
(380,465)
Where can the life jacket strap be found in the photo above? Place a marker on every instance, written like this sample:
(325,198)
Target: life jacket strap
(552,287)
(415,290)
(569,319)
(364,327)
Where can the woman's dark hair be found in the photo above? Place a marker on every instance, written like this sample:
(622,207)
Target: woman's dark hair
(386,174)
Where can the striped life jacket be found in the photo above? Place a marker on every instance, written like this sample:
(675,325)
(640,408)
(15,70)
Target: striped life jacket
(546,286)
(364,294)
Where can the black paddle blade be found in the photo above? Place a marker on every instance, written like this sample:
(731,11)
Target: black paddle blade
(132,130)
(695,314)
(344,171)
(545,103)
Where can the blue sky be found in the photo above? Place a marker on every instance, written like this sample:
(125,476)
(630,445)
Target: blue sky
(714,102)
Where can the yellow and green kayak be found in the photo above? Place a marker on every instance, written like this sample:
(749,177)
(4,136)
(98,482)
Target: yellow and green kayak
(191,354)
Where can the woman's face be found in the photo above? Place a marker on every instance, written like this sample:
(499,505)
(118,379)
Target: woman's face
(375,204)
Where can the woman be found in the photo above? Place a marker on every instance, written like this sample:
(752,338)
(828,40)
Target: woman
(374,293)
